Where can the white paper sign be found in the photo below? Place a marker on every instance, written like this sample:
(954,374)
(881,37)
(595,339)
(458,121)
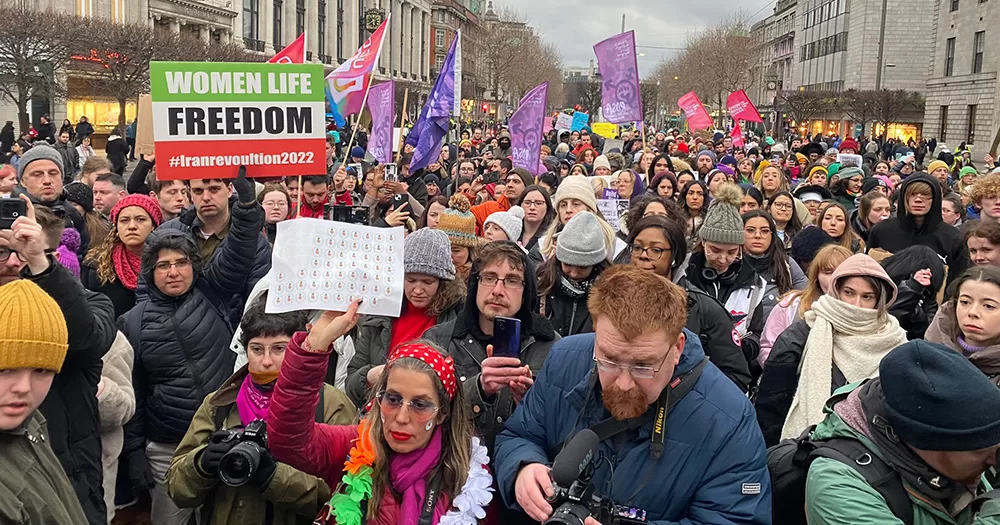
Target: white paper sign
(324,265)
(564,121)
(613,210)
(848,160)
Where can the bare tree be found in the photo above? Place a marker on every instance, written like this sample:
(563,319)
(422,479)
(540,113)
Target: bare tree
(587,95)
(858,105)
(890,104)
(34,50)
(803,106)
(497,44)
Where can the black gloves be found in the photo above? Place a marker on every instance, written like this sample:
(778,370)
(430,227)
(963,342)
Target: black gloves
(265,471)
(138,470)
(245,188)
(209,458)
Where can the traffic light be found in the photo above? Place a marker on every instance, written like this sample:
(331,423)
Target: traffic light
(486,108)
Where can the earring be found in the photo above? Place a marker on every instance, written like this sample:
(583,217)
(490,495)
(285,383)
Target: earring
(429,425)
(381,418)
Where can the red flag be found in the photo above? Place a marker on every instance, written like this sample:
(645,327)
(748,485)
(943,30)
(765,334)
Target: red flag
(294,53)
(740,107)
(737,135)
(697,116)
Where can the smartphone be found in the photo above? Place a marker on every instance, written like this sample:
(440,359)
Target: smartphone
(399,200)
(391,173)
(10,210)
(507,337)
(492,177)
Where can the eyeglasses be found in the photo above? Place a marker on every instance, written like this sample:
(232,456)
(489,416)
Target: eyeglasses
(652,252)
(510,283)
(782,206)
(638,372)
(165,266)
(5,254)
(525,204)
(277,348)
(391,403)
(273,204)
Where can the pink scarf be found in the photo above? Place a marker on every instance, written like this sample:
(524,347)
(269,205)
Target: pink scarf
(408,474)
(252,401)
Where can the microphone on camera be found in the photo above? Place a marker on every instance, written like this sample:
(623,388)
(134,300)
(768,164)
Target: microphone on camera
(574,458)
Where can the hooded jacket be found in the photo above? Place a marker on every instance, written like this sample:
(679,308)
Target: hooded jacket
(940,331)
(181,343)
(896,233)
(780,379)
(465,342)
(714,461)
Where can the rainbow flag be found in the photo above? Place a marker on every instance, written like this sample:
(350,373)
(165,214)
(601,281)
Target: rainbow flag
(347,84)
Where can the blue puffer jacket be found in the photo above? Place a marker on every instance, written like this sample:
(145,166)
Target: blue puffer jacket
(714,467)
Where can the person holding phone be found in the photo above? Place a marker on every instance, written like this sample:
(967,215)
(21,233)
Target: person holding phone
(502,285)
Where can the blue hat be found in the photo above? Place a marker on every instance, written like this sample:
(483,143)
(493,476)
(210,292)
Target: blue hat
(358,152)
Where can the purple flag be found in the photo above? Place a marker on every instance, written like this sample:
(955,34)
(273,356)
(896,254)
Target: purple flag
(382,105)
(620,86)
(526,130)
(432,126)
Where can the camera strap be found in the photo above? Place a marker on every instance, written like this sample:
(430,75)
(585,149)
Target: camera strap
(430,499)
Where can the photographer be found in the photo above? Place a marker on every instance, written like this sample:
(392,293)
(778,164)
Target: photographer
(274,489)
(702,462)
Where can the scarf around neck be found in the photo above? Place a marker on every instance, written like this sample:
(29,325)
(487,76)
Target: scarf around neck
(851,338)
(126,265)
(574,289)
(253,401)
(408,474)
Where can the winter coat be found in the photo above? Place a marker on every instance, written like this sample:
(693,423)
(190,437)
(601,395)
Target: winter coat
(189,223)
(33,487)
(136,182)
(714,450)
(291,497)
(181,343)
(121,297)
(914,307)
(940,331)
(71,408)
(71,159)
(837,494)
(116,403)
(858,226)
(84,129)
(771,293)
(416,187)
(463,341)
(567,315)
(372,349)
(117,152)
(47,132)
(901,231)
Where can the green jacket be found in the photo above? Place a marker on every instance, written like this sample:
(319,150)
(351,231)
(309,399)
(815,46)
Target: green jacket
(837,494)
(296,496)
(33,486)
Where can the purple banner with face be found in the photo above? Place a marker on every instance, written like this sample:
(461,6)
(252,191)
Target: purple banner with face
(616,60)
(526,130)
(382,104)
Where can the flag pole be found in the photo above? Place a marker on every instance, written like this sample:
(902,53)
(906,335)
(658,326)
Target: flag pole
(643,136)
(402,122)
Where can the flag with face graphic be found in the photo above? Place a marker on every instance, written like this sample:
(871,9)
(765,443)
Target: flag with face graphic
(616,58)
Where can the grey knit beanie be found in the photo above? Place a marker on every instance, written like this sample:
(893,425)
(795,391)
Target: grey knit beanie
(723,223)
(39,152)
(428,251)
(581,242)
(510,221)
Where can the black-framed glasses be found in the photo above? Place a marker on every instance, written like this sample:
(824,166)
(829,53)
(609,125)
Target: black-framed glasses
(638,372)
(652,252)
(5,254)
(421,410)
(509,283)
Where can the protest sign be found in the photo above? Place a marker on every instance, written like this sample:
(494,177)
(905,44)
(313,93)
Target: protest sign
(144,126)
(694,111)
(613,210)
(605,129)
(620,100)
(847,160)
(526,130)
(580,119)
(564,121)
(210,118)
(382,105)
(325,265)
(613,144)
(740,108)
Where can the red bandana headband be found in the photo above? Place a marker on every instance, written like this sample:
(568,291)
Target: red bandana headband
(443,366)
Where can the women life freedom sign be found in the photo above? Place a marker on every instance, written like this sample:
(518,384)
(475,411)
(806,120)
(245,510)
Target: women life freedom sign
(211,118)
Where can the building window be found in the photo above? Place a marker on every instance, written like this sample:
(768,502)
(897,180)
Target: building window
(438,61)
(439,38)
(954,5)
(949,57)
(300,17)
(85,8)
(978,46)
(277,22)
(970,125)
(943,133)
(118,11)
(440,16)
(251,16)
(340,29)
(321,30)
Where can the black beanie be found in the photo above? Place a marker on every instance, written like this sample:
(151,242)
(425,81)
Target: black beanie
(807,243)
(936,399)
(79,193)
(871,183)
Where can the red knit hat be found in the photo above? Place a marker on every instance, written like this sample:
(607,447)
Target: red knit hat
(682,146)
(143,201)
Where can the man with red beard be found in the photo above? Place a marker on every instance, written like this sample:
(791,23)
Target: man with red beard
(681,436)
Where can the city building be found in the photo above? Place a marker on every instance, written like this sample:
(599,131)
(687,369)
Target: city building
(963,85)
(573,75)
(451,17)
(773,44)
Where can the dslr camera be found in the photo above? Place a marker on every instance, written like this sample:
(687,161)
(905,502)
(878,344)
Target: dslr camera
(348,214)
(240,463)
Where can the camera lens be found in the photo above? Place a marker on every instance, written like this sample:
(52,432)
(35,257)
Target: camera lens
(569,513)
(239,464)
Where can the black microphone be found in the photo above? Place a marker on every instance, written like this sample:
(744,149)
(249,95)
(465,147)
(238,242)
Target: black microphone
(574,457)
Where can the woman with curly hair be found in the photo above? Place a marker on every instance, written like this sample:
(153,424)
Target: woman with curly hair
(112,267)
(432,296)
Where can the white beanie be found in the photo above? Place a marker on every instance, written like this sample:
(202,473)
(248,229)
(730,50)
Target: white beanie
(602,162)
(575,188)
(510,221)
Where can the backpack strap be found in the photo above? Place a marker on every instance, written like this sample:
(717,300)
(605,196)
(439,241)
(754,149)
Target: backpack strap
(882,477)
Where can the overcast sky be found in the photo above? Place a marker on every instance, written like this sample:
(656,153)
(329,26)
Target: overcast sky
(576,26)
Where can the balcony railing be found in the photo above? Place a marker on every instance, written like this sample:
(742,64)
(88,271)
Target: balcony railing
(309,55)
(326,59)
(254,44)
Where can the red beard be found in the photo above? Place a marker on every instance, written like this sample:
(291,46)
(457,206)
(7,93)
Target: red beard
(625,404)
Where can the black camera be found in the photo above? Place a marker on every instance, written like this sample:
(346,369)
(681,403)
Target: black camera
(348,214)
(239,464)
(10,210)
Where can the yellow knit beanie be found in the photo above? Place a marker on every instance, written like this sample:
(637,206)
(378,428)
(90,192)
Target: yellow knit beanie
(32,328)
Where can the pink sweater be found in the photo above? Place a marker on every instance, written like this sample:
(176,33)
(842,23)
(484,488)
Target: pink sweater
(782,316)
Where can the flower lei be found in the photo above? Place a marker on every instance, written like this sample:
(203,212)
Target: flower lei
(468,507)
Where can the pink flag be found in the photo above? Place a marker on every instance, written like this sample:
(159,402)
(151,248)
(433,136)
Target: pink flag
(526,130)
(697,116)
(620,99)
(737,135)
(382,105)
(740,107)
(349,81)
(294,53)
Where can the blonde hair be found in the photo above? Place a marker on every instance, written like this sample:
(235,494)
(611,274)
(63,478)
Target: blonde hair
(827,259)
(547,246)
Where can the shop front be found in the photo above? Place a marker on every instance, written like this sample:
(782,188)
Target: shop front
(102,111)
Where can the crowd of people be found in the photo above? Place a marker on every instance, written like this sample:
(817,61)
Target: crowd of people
(771,333)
